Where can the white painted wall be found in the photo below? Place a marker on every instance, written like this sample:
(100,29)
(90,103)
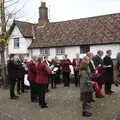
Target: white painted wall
(72,51)
(24,42)
(35,52)
(114,47)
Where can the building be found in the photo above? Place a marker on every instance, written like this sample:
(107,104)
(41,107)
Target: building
(67,37)
(20,38)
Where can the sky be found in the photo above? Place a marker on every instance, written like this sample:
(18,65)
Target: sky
(62,10)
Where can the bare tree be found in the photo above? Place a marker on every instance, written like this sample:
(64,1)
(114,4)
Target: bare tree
(5,17)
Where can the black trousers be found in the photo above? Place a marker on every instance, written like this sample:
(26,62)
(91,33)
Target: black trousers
(66,79)
(108,85)
(12,86)
(53,80)
(41,93)
(77,78)
(33,91)
(20,84)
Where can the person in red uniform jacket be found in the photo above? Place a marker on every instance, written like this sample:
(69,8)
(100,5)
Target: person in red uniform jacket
(76,63)
(65,69)
(42,76)
(32,77)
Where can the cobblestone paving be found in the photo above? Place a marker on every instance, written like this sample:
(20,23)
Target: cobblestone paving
(64,104)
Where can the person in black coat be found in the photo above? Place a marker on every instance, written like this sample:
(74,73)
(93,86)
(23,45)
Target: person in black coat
(98,58)
(99,67)
(108,65)
(12,67)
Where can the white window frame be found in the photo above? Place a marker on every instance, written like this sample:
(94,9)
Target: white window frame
(60,51)
(45,51)
(16,43)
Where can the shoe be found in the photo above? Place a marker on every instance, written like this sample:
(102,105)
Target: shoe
(87,114)
(14,97)
(92,100)
(34,101)
(101,96)
(108,93)
(47,90)
(43,106)
(111,91)
(24,92)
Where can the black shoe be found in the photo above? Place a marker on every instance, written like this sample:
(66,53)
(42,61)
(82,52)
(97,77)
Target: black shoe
(108,92)
(101,96)
(24,92)
(43,106)
(111,91)
(92,100)
(87,114)
(14,97)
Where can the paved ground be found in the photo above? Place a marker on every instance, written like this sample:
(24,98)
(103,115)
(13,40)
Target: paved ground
(63,104)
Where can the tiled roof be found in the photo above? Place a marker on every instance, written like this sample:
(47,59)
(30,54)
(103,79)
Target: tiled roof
(24,27)
(93,30)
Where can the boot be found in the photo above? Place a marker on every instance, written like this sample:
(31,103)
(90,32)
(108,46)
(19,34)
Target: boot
(86,114)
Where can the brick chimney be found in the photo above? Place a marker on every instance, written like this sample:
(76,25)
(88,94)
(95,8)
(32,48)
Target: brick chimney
(43,14)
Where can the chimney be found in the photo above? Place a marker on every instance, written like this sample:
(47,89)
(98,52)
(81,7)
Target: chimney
(43,14)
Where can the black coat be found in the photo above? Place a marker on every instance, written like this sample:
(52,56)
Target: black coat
(97,61)
(14,69)
(107,61)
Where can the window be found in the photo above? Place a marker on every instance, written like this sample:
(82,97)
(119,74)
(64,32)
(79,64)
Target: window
(16,43)
(60,51)
(44,52)
(84,49)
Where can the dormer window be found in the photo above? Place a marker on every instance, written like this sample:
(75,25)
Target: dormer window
(16,43)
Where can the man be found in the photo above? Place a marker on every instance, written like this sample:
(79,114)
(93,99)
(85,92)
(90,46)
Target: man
(99,67)
(12,67)
(98,58)
(65,69)
(76,63)
(108,64)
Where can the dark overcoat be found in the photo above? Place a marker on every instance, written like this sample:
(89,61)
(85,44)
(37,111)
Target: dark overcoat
(108,63)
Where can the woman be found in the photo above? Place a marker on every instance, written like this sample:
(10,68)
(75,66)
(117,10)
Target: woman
(117,70)
(95,83)
(65,69)
(86,89)
(42,75)
(55,77)
(32,78)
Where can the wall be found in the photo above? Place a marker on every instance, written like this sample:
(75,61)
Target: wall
(24,42)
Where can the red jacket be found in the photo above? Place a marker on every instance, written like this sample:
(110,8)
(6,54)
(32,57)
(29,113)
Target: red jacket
(42,74)
(65,65)
(31,71)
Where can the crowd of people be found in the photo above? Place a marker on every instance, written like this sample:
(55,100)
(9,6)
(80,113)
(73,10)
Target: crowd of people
(90,74)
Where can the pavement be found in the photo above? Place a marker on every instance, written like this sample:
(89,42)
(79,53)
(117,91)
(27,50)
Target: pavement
(63,104)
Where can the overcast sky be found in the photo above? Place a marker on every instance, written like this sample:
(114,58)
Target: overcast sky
(61,10)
